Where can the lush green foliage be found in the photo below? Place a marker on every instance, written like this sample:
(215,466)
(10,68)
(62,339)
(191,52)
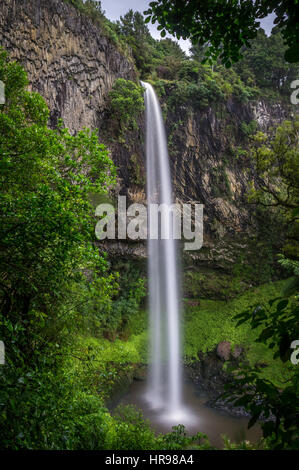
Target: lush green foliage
(50,274)
(275,187)
(185,81)
(132,30)
(263,64)
(181,80)
(279,319)
(46,232)
(211,322)
(58,298)
(275,182)
(46,214)
(276,160)
(277,322)
(127,103)
(134,433)
(225,26)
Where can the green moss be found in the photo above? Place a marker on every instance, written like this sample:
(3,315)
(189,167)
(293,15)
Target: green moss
(215,285)
(117,351)
(239,269)
(99,365)
(221,184)
(211,322)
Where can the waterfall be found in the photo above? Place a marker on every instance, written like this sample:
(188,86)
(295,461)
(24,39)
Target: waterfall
(164,384)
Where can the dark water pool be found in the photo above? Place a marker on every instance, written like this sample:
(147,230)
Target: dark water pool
(197,416)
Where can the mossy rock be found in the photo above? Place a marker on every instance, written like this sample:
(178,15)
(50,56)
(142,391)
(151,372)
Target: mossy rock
(211,284)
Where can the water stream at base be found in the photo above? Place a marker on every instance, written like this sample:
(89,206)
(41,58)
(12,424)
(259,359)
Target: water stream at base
(200,418)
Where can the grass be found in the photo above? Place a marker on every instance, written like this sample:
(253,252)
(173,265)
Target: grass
(213,321)
(102,366)
(101,362)
(131,351)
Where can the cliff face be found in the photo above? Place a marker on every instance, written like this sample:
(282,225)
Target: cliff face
(208,166)
(73,65)
(69,60)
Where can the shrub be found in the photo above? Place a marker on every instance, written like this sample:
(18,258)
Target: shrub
(127,102)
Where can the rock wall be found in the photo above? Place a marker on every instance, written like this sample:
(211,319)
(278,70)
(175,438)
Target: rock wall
(203,147)
(206,167)
(69,60)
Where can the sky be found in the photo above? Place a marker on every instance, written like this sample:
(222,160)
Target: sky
(116,8)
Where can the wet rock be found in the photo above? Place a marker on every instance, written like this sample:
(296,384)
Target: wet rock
(140,372)
(224,350)
(210,376)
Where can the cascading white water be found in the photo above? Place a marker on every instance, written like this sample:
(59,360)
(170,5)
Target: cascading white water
(164,385)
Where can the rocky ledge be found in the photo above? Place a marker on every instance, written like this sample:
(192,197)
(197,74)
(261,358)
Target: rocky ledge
(209,375)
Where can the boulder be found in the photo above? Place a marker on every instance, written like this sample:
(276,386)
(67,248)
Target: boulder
(223,350)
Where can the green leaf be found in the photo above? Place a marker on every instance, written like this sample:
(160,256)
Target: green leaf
(284,347)
(271,302)
(266,334)
(282,305)
(292,54)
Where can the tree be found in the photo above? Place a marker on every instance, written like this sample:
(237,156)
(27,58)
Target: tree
(264,62)
(132,24)
(46,217)
(225,26)
(168,47)
(198,52)
(133,29)
(278,326)
(275,185)
(127,102)
(46,256)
